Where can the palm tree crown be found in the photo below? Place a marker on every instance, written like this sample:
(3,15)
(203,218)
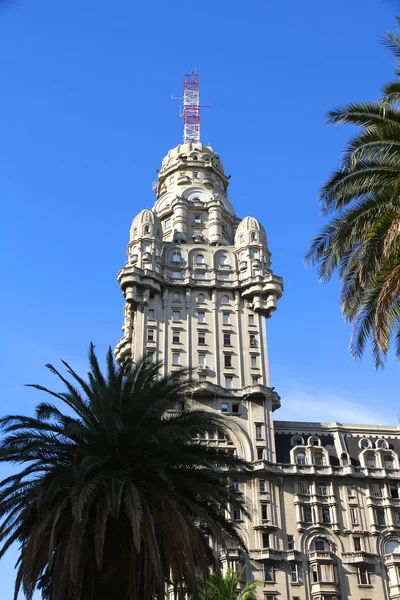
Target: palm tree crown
(362,242)
(227,587)
(115,496)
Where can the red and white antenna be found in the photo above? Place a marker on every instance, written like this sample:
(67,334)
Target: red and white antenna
(191,108)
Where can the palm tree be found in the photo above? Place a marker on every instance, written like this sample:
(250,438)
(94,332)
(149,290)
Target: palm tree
(362,241)
(228,587)
(115,496)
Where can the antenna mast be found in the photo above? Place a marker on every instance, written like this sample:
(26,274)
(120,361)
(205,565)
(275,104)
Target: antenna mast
(191,108)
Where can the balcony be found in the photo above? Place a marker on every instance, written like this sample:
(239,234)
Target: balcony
(267,554)
(392,559)
(202,368)
(324,587)
(183,179)
(358,558)
(321,555)
(208,182)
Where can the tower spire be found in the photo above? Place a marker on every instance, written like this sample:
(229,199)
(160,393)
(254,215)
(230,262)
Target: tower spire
(191,108)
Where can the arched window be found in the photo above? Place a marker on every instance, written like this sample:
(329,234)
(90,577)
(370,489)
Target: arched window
(241,237)
(223,259)
(381,444)
(365,443)
(146,229)
(176,257)
(176,297)
(200,298)
(199,259)
(314,441)
(225,300)
(392,547)
(253,236)
(297,440)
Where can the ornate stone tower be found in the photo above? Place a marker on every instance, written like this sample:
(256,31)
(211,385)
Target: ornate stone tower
(198,287)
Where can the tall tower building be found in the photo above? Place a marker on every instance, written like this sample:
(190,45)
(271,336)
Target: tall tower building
(324,498)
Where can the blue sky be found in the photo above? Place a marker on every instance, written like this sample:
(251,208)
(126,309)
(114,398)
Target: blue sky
(86,118)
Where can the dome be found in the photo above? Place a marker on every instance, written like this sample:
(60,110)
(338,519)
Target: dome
(250,231)
(146,224)
(192,152)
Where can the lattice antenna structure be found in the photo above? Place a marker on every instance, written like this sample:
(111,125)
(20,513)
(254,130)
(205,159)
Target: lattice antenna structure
(191,108)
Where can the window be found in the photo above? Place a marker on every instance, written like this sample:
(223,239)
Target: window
(265,540)
(251,319)
(201,317)
(326,515)
(371,460)
(254,380)
(318,459)
(176,257)
(294,573)
(264,512)
(357,544)
(223,277)
(364,444)
(254,254)
(150,314)
(322,488)
(321,572)
(227,360)
(176,275)
(176,315)
(259,435)
(268,572)
(202,435)
(253,341)
(380,517)
(388,461)
(297,440)
(201,338)
(197,218)
(362,576)
(307,514)
(176,337)
(224,230)
(351,491)
(381,444)
(167,224)
(260,453)
(227,339)
(392,547)
(253,361)
(235,484)
(176,297)
(253,236)
(261,485)
(224,407)
(354,516)
(150,335)
(182,406)
(394,490)
(146,229)
(223,259)
(228,382)
(290,542)
(320,545)
(313,441)
(200,298)
(396,515)
(146,248)
(301,458)
(225,318)
(200,276)
(237,513)
(304,487)
(202,360)
(235,409)
(376,490)
(147,265)
(199,259)
(225,300)
(176,358)
(195,174)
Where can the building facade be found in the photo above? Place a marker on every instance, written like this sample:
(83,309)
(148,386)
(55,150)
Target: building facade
(198,288)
